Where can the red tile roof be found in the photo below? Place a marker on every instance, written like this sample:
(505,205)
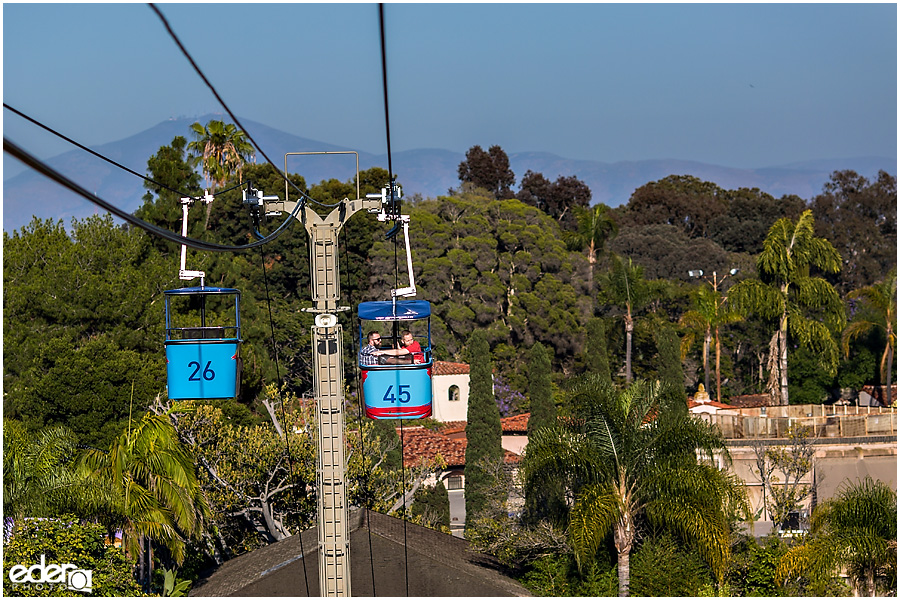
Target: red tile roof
(423,444)
(515,424)
(452,426)
(420,443)
(450,368)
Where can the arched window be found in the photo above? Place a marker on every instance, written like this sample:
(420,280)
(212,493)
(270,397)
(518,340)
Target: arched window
(453,393)
(454,481)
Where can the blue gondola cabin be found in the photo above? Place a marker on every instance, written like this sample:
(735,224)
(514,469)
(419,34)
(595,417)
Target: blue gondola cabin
(203,342)
(396,368)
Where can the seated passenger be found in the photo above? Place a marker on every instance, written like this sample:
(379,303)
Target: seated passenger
(409,352)
(367,354)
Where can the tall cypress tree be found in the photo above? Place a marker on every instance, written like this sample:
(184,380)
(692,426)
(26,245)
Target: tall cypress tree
(544,501)
(671,373)
(596,358)
(540,394)
(482,426)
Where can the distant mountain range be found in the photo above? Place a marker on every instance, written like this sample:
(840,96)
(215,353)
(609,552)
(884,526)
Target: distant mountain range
(429,172)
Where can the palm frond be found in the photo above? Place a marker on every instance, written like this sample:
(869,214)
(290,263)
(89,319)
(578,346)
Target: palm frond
(752,296)
(595,512)
(694,501)
(816,336)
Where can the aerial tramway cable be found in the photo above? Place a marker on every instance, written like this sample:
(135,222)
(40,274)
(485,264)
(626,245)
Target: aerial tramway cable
(44,169)
(395,206)
(109,160)
(228,110)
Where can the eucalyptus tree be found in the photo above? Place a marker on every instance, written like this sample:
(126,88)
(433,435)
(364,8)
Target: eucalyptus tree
(634,459)
(859,216)
(881,301)
(488,170)
(624,286)
(805,307)
(856,531)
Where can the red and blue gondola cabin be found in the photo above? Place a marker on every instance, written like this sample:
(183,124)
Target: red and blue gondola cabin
(397,391)
(203,359)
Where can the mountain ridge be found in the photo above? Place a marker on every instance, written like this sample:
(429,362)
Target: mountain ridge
(428,172)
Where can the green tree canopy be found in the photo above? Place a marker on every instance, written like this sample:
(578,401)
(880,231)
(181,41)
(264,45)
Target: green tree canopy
(82,322)
(499,266)
(859,217)
(66,540)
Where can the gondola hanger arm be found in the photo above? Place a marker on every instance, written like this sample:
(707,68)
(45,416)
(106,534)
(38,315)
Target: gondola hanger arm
(184,273)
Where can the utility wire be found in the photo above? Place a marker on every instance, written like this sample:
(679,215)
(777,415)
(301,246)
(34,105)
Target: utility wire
(228,110)
(51,173)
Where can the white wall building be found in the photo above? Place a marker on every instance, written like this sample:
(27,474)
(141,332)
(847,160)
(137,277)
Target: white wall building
(450,391)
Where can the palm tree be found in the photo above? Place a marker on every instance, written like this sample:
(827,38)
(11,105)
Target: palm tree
(855,530)
(595,227)
(150,486)
(624,286)
(39,478)
(710,314)
(629,458)
(881,298)
(806,307)
(221,149)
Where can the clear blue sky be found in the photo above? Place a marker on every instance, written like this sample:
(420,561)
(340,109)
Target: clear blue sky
(748,86)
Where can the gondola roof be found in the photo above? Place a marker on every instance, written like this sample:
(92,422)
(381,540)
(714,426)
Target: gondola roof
(402,310)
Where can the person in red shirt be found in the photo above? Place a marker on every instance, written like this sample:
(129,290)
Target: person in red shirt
(409,351)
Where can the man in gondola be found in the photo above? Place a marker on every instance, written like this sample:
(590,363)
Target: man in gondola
(367,354)
(409,351)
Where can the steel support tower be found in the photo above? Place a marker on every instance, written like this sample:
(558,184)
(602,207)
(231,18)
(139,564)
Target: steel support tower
(328,387)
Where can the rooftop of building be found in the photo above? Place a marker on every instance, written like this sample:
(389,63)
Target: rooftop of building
(442,367)
(431,564)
